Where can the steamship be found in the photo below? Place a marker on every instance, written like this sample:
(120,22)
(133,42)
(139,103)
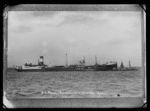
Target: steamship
(109,66)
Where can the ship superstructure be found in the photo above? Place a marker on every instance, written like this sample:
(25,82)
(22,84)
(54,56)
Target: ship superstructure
(32,67)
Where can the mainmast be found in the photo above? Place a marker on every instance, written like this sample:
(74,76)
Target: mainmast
(95,60)
(66,60)
(129,64)
(84,60)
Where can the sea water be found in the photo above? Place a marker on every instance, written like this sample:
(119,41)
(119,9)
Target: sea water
(75,84)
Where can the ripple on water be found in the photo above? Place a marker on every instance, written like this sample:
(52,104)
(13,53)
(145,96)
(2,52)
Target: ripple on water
(109,83)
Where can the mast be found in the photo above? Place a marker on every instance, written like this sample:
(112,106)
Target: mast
(83,60)
(66,60)
(95,60)
(129,64)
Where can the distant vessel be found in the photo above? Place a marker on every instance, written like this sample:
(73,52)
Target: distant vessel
(131,68)
(122,68)
(109,66)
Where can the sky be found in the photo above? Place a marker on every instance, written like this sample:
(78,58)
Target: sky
(109,35)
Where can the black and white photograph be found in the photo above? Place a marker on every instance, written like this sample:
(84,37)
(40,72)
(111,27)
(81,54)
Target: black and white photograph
(75,54)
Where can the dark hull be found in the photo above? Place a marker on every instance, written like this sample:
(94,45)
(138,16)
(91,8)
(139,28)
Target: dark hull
(106,67)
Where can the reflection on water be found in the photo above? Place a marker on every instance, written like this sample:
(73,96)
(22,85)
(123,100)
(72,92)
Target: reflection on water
(74,84)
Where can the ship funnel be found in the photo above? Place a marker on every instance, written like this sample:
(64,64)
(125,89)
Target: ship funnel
(41,60)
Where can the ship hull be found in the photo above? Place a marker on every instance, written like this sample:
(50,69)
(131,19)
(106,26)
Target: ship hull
(55,70)
(96,68)
(48,70)
(110,67)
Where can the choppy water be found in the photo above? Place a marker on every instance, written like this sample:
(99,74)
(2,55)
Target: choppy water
(75,84)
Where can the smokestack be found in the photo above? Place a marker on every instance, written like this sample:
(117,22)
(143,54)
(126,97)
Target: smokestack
(41,60)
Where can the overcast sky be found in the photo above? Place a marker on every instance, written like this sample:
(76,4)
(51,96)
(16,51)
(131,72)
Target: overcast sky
(111,36)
